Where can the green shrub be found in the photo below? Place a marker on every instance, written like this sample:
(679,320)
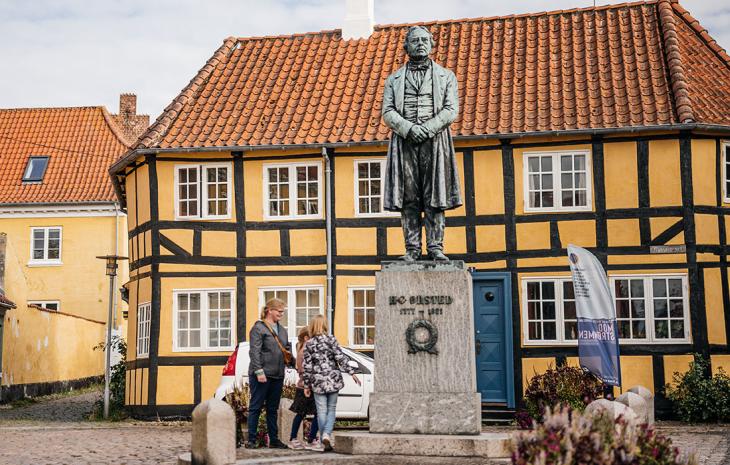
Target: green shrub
(567,437)
(563,385)
(697,397)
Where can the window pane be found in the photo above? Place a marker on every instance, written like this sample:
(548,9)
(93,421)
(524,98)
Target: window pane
(533,164)
(660,308)
(359,315)
(571,330)
(548,310)
(359,298)
(637,288)
(569,311)
(358,336)
(548,291)
(639,329)
(195,338)
(549,329)
(182,301)
(622,309)
(621,288)
(566,162)
(567,180)
(370,298)
(660,288)
(547,181)
(534,331)
(675,288)
(546,163)
(624,329)
(547,199)
(676,309)
(661,329)
(532,311)
(580,162)
(677,329)
(637,309)
(533,290)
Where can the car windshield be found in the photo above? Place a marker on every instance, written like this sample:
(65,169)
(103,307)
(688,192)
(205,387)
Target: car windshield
(365,356)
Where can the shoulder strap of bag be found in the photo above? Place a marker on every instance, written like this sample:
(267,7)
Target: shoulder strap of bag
(276,336)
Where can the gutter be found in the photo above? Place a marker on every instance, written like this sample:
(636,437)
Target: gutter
(328,232)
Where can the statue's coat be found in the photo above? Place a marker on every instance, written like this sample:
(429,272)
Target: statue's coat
(445,193)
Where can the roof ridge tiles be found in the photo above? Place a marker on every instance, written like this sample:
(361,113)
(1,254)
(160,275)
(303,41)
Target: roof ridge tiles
(116,130)
(677,78)
(701,32)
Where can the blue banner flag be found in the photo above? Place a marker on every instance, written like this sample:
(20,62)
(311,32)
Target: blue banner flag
(597,335)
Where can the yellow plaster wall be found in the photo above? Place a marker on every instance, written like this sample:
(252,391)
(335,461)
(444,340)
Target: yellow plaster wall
(637,371)
(623,233)
(396,246)
(356,241)
(533,236)
(210,378)
(561,260)
(129,185)
(706,229)
(181,237)
(40,346)
(174,385)
(143,192)
(703,169)
(307,242)
(488,182)
(490,238)
(534,366)
(675,364)
(664,176)
(168,285)
(621,175)
(495,265)
(714,307)
(720,361)
(455,239)
(138,383)
(263,243)
(581,233)
(659,225)
(647,259)
(218,244)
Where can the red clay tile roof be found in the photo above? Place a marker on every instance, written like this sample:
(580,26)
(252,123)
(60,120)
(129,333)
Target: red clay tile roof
(81,143)
(628,65)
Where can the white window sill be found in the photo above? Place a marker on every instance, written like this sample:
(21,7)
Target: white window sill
(365,347)
(292,218)
(202,218)
(558,210)
(378,215)
(141,356)
(622,342)
(39,263)
(204,349)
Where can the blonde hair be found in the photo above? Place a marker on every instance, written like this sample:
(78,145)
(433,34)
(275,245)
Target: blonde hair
(271,303)
(303,334)
(317,326)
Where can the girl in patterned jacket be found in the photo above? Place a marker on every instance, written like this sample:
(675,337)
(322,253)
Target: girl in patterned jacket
(323,365)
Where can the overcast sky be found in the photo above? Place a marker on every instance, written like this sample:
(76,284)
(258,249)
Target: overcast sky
(85,52)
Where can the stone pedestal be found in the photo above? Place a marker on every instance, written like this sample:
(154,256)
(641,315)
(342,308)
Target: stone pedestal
(425,376)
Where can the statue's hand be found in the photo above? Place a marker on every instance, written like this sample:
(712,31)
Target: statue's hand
(418,134)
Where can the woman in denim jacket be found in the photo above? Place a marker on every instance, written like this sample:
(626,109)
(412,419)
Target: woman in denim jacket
(323,364)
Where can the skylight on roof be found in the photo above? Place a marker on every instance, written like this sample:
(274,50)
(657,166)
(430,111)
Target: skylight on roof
(36,169)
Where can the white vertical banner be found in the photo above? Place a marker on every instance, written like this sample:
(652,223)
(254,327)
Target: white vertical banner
(598,347)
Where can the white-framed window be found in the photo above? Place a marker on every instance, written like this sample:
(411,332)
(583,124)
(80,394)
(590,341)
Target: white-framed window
(53,305)
(203,320)
(144,316)
(652,308)
(549,315)
(726,171)
(45,246)
(362,317)
(292,191)
(203,191)
(557,181)
(369,177)
(302,304)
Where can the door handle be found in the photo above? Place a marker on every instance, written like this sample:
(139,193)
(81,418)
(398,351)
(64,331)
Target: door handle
(478,346)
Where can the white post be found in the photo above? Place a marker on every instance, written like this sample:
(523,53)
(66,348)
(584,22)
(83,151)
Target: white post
(107,365)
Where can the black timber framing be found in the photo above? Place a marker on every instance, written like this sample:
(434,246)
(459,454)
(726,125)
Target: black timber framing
(642,169)
(470,200)
(722,233)
(599,183)
(698,316)
(155,301)
(240,206)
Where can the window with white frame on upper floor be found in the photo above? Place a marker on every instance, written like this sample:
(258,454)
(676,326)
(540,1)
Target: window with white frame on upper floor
(292,191)
(203,191)
(53,305)
(203,320)
(302,304)
(369,176)
(649,309)
(557,181)
(362,317)
(45,246)
(726,171)
(144,316)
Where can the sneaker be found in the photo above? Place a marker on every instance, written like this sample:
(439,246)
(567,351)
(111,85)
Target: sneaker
(315,446)
(276,444)
(295,444)
(326,442)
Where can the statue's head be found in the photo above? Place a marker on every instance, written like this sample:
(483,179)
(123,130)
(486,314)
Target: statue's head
(418,43)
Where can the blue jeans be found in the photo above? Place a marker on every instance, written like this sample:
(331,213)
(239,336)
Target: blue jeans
(269,393)
(297,422)
(326,411)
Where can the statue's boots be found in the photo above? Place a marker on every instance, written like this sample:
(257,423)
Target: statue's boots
(437,255)
(410,256)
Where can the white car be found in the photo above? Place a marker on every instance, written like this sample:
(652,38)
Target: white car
(353,401)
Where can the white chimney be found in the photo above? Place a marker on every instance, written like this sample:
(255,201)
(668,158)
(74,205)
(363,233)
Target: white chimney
(359,19)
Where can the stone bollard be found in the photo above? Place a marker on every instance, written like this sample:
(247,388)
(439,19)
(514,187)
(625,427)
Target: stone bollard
(615,409)
(214,434)
(636,403)
(285,419)
(648,398)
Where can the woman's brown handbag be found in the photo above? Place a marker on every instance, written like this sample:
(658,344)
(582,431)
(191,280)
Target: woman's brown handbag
(287,355)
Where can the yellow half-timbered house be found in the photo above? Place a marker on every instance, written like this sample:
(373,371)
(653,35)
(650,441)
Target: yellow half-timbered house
(603,127)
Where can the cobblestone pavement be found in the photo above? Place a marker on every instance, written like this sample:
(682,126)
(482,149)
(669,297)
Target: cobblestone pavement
(55,432)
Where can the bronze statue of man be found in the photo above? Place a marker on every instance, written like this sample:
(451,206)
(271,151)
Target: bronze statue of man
(420,101)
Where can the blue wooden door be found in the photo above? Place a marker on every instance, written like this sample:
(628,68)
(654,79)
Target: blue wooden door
(493,338)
